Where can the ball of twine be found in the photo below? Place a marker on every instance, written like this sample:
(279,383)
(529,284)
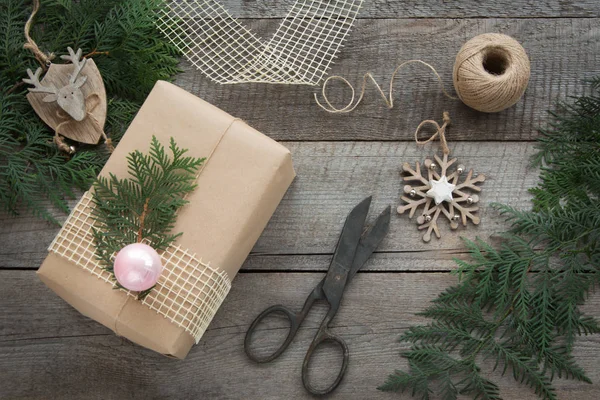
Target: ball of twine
(491,72)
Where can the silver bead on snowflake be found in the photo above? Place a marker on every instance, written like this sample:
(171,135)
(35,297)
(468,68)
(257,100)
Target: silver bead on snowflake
(441,192)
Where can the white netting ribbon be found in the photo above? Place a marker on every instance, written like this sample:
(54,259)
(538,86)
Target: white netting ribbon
(188,293)
(300,52)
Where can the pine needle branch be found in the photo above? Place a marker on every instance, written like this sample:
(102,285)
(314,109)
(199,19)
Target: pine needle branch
(142,208)
(518,304)
(131,55)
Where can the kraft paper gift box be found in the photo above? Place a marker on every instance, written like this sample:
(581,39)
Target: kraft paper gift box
(243,180)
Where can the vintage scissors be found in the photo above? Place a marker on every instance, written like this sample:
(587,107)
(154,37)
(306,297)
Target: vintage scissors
(354,248)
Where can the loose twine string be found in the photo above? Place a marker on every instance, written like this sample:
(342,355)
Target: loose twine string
(389,101)
(440,131)
(43,58)
(491,73)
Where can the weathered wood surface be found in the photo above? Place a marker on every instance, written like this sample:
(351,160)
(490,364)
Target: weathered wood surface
(432,8)
(47,348)
(332,178)
(563,52)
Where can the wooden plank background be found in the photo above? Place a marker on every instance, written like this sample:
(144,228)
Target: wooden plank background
(48,350)
(563,52)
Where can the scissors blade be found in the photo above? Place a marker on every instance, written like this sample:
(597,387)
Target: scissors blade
(370,241)
(335,280)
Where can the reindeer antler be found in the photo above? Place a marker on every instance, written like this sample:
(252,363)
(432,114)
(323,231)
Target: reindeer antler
(78,64)
(34,79)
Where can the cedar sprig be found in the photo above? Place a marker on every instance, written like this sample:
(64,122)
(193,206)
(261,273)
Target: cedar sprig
(143,207)
(518,304)
(123,39)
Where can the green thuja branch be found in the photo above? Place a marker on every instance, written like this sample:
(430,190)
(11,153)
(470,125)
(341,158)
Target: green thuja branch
(519,305)
(144,206)
(131,54)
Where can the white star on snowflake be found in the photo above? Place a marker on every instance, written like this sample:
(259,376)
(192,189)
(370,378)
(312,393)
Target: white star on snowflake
(441,192)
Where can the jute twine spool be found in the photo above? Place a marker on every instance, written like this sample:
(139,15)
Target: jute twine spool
(491,72)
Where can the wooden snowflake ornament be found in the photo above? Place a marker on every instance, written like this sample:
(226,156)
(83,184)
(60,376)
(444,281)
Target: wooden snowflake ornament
(442,192)
(445,191)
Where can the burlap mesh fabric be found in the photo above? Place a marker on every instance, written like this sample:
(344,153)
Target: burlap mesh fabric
(188,293)
(300,52)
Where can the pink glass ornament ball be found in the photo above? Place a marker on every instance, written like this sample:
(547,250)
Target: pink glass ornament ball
(137,267)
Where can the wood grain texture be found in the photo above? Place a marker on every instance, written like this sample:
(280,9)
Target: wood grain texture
(563,52)
(49,350)
(48,347)
(432,8)
(88,130)
(332,178)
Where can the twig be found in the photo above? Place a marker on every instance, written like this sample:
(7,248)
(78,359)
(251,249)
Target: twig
(95,52)
(497,326)
(15,87)
(142,217)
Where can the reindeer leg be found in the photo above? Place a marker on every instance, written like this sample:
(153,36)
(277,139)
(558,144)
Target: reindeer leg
(62,145)
(90,107)
(58,140)
(107,140)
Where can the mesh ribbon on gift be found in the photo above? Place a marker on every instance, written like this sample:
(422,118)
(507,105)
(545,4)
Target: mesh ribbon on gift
(300,52)
(188,293)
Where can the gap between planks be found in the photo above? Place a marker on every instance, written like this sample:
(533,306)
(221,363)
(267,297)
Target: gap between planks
(332,178)
(43,338)
(417,9)
(563,52)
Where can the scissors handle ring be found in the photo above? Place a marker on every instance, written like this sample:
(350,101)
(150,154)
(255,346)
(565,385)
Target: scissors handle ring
(324,336)
(294,325)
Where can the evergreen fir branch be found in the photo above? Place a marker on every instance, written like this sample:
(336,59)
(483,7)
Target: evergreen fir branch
(143,207)
(119,114)
(437,333)
(559,361)
(518,304)
(131,55)
(478,386)
(524,369)
(401,381)
(448,389)
(461,315)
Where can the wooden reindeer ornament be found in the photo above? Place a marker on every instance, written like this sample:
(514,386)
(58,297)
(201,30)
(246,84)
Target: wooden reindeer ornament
(71,99)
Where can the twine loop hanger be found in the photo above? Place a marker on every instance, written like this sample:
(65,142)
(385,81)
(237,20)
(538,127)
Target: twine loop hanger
(440,131)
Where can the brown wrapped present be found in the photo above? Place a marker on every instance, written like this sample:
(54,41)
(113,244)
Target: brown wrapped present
(243,180)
